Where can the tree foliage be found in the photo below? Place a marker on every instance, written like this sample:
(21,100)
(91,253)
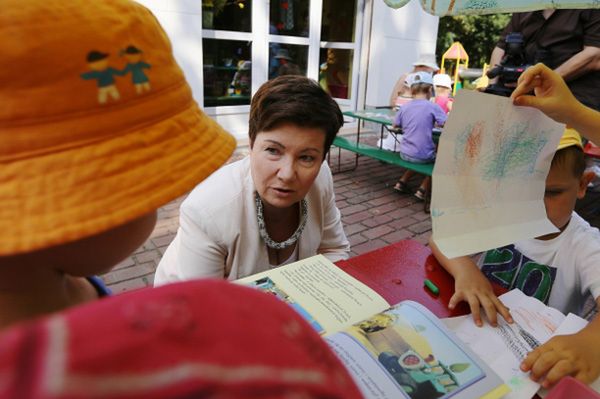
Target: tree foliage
(477,33)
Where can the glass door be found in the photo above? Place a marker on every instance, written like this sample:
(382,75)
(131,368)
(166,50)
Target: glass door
(247,42)
(227,52)
(337,47)
(288,37)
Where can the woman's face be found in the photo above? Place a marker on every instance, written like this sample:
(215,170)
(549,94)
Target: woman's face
(284,163)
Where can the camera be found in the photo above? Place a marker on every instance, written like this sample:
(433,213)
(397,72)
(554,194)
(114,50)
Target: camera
(511,67)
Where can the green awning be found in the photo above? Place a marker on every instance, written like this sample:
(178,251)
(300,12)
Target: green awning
(458,7)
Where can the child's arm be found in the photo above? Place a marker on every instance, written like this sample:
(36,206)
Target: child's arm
(439,116)
(398,119)
(471,286)
(577,355)
(553,97)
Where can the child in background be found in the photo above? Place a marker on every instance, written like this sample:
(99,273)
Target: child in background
(417,119)
(560,269)
(443,89)
(81,178)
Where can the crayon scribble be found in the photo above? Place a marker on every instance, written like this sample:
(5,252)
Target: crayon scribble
(468,145)
(467,158)
(474,144)
(510,150)
(515,154)
(513,151)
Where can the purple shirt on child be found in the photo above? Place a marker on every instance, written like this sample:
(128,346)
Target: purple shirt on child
(417,119)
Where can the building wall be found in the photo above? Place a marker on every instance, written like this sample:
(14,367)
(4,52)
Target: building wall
(397,39)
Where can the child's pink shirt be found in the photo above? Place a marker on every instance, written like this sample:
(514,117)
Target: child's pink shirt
(443,101)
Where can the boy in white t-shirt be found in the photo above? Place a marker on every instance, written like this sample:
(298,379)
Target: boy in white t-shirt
(560,269)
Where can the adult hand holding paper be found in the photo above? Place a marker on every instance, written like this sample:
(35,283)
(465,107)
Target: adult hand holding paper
(489,175)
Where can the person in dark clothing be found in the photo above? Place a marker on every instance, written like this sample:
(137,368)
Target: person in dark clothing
(567,41)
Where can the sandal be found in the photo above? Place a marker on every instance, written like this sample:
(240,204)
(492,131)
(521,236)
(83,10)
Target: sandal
(401,187)
(420,194)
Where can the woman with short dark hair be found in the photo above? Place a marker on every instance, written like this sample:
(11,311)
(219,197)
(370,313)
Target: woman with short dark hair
(273,207)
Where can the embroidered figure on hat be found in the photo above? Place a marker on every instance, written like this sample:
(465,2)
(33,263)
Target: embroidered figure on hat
(98,63)
(136,66)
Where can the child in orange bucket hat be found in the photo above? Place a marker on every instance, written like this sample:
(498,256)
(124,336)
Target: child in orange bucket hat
(87,155)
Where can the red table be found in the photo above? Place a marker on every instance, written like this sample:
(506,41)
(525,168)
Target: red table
(397,273)
(592,151)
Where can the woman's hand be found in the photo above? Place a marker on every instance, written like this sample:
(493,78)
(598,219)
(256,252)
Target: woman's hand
(552,95)
(577,355)
(474,288)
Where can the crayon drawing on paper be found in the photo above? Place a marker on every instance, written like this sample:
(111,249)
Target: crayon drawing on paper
(489,174)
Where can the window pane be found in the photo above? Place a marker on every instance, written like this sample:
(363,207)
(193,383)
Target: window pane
(289,17)
(339,18)
(227,72)
(335,72)
(233,15)
(287,59)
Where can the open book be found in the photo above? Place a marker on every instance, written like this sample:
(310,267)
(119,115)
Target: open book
(400,351)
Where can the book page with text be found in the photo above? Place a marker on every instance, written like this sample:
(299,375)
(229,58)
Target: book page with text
(327,297)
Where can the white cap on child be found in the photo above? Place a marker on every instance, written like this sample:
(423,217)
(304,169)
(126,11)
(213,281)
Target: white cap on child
(442,79)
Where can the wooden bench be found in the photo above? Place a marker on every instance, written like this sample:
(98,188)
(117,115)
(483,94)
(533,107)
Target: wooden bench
(383,156)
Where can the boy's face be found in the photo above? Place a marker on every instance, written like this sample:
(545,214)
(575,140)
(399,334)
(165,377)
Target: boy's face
(562,190)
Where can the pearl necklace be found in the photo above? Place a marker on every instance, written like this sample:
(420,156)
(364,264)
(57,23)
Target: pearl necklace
(262,227)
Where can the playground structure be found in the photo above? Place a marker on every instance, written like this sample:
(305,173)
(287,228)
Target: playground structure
(457,53)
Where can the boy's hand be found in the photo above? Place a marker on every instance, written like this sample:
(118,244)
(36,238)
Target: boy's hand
(471,286)
(474,288)
(577,355)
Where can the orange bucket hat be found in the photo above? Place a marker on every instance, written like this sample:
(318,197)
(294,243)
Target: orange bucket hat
(97,123)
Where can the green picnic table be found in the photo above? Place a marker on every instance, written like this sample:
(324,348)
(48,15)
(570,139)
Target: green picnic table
(385,118)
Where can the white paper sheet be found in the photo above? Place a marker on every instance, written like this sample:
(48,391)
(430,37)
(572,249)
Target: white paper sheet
(489,175)
(571,325)
(504,347)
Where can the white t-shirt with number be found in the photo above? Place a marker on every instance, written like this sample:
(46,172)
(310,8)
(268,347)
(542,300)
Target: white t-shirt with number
(560,272)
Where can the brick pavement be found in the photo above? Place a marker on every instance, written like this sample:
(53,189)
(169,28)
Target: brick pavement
(373,214)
